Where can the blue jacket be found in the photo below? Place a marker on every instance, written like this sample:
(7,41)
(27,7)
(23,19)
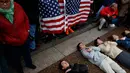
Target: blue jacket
(125,43)
(95,56)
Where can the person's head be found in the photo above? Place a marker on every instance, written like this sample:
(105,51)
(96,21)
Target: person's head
(114,6)
(5,4)
(98,41)
(115,37)
(80,46)
(63,65)
(127,32)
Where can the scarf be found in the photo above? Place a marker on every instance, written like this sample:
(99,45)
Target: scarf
(8,13)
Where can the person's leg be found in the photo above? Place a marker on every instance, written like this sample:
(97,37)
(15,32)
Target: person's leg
(14,56)
(3,61)
(114,21)
(27,56)
(115,66)
(3,65)
(32,44)
(124,59)
(102,22)
(105,66)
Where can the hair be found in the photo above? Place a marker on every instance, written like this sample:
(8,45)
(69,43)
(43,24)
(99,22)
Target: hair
(78,46)
(60,66)
(113,4)
(95,41)
(112,38)
(123,34)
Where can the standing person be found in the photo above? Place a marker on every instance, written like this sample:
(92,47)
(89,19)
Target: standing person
(73,68)
(111,49)
(109,14)
(94,55)
(14,31)
(31,10)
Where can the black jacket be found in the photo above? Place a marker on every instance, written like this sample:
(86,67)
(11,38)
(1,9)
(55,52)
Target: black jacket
(78,68)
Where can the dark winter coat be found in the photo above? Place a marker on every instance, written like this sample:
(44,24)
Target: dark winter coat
(79,68)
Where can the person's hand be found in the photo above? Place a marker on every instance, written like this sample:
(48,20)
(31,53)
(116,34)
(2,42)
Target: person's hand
(123,38)
(89,49)
(108,15)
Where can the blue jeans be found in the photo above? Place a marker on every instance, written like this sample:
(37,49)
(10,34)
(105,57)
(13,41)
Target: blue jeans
(32,43)
(114,21)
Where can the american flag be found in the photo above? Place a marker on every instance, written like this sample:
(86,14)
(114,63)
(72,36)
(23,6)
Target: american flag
(72,6)
(55,15)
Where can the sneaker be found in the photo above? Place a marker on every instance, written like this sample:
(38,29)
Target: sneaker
(31,66)
(112,25)
(99,29)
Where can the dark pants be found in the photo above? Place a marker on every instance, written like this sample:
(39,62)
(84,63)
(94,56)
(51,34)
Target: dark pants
(14,53)
(3,65)
(124,59)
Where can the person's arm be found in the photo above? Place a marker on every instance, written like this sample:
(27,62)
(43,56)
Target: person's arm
(96,48)
(128,39)
(106,47)
(113,43)
(119,42)
(87,54)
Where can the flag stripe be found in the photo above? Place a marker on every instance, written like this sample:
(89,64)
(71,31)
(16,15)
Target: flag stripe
(53,20)
(55,29)
(56,26)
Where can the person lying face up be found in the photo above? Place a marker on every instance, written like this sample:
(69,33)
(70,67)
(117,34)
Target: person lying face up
(73,68)
(94,55)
